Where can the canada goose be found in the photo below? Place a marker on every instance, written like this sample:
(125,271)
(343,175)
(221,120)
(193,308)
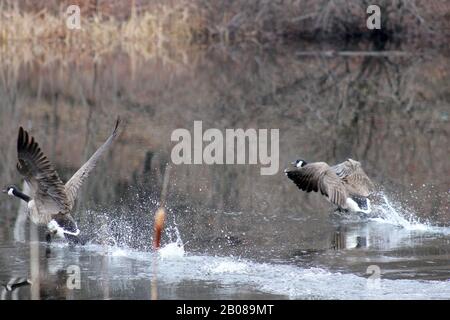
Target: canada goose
(51,201)
(345,185)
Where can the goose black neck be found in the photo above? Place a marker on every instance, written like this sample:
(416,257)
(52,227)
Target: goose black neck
(21,195)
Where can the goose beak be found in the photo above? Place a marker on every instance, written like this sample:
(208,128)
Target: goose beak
(293,163)
(5,191)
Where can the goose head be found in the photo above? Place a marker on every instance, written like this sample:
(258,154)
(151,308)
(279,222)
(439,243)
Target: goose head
(10,190)
(299,163)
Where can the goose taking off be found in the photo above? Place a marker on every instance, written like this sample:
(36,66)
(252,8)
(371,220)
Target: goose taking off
(345,185)
(51,201)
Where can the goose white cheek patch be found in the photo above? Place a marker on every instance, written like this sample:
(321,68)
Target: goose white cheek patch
(10,192)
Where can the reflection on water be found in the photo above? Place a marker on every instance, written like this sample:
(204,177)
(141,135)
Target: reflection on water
(244,235)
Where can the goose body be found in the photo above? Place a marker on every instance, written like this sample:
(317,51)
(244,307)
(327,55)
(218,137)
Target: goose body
(345,184)
(51,201)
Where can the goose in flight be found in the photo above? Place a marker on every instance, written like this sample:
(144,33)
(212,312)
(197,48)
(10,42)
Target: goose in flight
(345,184)
(51,201)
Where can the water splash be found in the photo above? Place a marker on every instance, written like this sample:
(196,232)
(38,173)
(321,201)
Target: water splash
(390,212)
(230,266)
(174,249)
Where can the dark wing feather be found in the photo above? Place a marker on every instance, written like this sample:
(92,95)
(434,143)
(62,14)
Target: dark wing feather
(356,180)
(74,184)
(306,178)
(316,177)
(46,187)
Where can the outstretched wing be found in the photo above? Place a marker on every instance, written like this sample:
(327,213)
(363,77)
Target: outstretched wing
(357,181)
(316,177)
(46,187)
(74,184)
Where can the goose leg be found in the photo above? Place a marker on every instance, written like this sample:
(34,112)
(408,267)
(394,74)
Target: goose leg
(48,237)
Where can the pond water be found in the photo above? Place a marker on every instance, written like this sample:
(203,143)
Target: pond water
(412,264)
(232,233)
